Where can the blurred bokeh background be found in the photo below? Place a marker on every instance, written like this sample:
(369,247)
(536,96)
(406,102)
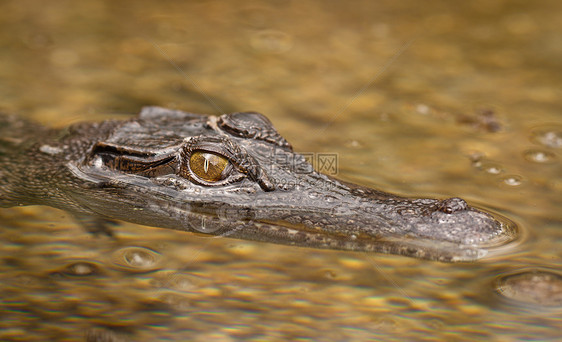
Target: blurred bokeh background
(433,98)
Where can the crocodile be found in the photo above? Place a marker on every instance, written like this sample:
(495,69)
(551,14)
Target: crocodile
(231,175)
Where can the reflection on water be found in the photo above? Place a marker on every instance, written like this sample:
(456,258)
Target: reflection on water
(471,108)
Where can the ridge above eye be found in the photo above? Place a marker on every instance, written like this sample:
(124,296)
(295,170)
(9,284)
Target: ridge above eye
(254,126)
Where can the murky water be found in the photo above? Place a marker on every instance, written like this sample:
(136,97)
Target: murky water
(440,99)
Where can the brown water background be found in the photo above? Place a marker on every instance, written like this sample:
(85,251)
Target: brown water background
(433,98)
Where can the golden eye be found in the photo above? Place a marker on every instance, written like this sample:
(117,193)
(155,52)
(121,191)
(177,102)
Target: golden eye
(208,166)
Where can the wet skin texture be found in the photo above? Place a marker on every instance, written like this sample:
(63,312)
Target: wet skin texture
(232,175)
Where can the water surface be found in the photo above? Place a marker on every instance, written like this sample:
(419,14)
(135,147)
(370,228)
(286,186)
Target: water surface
(441,99)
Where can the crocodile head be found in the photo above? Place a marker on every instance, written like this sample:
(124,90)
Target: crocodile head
(235,176)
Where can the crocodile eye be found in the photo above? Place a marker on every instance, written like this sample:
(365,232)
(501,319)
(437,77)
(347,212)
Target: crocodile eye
(208,166)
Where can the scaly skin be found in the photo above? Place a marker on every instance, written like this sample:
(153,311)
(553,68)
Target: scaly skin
(139,170)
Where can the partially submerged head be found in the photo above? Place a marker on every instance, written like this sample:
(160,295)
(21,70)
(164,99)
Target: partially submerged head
(234,175)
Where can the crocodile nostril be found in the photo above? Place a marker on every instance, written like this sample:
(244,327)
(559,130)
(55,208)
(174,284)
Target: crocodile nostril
(452,205)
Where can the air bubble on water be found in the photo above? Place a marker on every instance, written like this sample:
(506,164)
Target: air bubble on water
(548,137)
(491,168)
(513,180)
(536,287)
(81,268)
(136,259)
(538,156)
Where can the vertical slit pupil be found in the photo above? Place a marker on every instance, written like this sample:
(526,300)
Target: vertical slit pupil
(208,166)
